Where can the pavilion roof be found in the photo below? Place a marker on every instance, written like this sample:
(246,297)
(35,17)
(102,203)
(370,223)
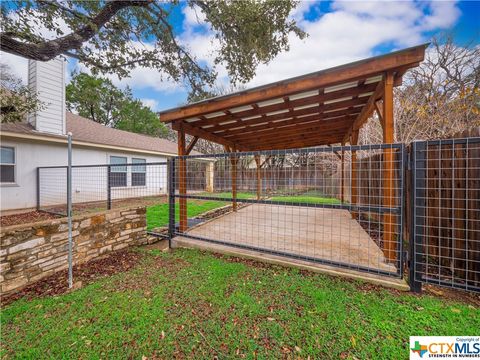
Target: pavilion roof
(319,108)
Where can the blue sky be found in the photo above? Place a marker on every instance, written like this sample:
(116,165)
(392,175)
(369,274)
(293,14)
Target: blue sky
(339,32)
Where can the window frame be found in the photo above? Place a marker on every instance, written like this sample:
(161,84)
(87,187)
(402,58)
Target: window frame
(14,165)
(113,170)
(143,164)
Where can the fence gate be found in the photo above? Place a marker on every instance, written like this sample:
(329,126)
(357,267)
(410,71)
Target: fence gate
(339,206)
(445,231)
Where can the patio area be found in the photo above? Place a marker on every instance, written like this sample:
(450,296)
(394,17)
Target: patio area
(313,238)
(292,136)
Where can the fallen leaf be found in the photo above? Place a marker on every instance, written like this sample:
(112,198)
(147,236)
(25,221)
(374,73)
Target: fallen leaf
(353,341)
(457,311)
(297,349)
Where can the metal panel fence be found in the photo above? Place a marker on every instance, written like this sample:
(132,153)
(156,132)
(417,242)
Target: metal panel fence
(446,213)
(331,205)
(287,203)
(101,187)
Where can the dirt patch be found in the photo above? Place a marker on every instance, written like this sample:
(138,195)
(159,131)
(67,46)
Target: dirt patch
(453,295)
(56,284)
(26,218)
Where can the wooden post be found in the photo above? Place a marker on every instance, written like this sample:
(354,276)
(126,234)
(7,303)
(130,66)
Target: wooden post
(342,196)
(388,173)
(209,175)
(353,175)
(233,174)
(182,180)
(259,177)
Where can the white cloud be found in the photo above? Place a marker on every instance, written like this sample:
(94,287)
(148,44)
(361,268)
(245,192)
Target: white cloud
(194,16)
(443,14)
(352,31)
(17,64)
(151,103)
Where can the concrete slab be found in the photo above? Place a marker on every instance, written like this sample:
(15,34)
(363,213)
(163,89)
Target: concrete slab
(329,234)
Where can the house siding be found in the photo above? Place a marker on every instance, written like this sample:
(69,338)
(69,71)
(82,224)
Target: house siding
(32,154)
(47,79)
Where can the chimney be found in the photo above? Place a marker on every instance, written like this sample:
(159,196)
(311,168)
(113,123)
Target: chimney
(47,79)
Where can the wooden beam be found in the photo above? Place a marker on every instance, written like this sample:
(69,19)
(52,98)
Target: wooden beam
(329,77)
(390,247)
(191,145)
(342,182)
(182,180)
(284,123)
(313,140)
(259,176)
(188,129)
(294,129)
(285,139)
(290,104)
(366,111)
(296,145)
(233,163)
(353,173)
(379,110)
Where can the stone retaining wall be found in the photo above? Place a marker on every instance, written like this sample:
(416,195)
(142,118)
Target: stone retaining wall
(29,252)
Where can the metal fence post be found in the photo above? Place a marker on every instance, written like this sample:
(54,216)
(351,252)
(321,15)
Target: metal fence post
(171,200)
(403,165)
(69,212)
(109,187)
(417,222)
(38,188)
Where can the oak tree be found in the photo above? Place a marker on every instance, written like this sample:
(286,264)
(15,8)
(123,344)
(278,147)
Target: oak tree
(100,100)
(116,36)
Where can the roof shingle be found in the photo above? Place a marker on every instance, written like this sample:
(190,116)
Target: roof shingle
(87,130)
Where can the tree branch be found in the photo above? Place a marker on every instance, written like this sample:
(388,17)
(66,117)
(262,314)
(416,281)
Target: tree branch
(48,50)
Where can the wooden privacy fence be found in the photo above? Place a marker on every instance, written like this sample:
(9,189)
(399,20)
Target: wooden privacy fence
(280,180)
(449,185)
(451,216)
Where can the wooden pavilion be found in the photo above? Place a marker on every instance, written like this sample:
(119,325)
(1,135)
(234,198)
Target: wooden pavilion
(320,108)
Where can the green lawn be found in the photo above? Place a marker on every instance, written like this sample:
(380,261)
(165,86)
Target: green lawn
(306,199)
(157,215)
(188,304)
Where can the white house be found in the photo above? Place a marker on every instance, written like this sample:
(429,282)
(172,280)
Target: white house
(42,141)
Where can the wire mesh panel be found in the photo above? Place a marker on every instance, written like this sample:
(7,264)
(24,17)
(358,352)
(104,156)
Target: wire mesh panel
(339,206)
(102,187)
(446,226)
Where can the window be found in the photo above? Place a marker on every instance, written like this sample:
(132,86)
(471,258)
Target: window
(139,172)
(118,173)
(7,163)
